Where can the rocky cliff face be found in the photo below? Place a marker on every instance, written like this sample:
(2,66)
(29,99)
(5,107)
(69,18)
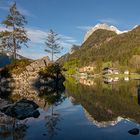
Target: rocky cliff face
(30,74)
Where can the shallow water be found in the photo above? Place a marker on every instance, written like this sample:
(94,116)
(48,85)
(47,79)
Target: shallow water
(99,111)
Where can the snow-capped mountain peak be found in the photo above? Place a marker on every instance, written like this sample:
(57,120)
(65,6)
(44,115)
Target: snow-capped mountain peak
(102,26)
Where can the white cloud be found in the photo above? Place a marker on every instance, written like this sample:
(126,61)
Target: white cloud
(36,35)
(84,28)
(68,39)
(37,38)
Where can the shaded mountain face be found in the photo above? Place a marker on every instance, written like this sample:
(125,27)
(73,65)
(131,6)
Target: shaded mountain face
(4,60)
(65,57)
(7,57)
(104,46)
(98,37)
(74,48)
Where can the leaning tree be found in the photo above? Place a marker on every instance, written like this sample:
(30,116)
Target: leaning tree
(15,36)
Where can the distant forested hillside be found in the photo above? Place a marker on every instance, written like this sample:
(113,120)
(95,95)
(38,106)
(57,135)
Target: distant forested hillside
(7,57)
(102,47)
(4,60)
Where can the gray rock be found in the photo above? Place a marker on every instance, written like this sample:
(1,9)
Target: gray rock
(35,114)
(22,109)
(134,131)
(29,68)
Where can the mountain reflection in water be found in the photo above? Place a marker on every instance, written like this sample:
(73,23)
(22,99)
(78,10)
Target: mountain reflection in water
(106,102)
(83,109)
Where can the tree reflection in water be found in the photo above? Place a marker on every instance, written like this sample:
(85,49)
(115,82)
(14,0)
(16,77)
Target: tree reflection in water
(10,127)
(51,124)
(53,97)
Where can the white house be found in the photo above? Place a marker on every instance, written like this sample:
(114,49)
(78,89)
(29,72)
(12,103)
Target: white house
(126,72)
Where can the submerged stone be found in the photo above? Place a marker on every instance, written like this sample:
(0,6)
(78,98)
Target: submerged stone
(22,109)
(134,131)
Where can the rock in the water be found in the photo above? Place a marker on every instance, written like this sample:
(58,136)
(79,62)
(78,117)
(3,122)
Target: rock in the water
(22,109)
(134,131)
(35,114)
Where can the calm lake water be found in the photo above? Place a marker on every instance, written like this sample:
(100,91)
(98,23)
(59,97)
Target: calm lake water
(85,110)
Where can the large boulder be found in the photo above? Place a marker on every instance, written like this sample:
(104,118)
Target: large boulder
(22,109)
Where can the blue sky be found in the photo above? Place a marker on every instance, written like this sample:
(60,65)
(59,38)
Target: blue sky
(70,19)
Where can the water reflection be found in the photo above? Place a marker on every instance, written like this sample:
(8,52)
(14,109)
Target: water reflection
(105,103)
(12,128)
(52,121)
(53,97)
(46,97)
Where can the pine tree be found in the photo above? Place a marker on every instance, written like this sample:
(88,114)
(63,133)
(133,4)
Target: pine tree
(15,36)
(52,44)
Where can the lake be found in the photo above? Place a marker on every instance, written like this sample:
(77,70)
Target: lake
(83,109)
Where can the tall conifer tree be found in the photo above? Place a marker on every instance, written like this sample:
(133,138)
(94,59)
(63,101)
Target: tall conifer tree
(15,36)
(52,44)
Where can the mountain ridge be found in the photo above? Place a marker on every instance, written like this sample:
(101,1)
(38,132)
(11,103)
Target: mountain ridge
(104,46)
